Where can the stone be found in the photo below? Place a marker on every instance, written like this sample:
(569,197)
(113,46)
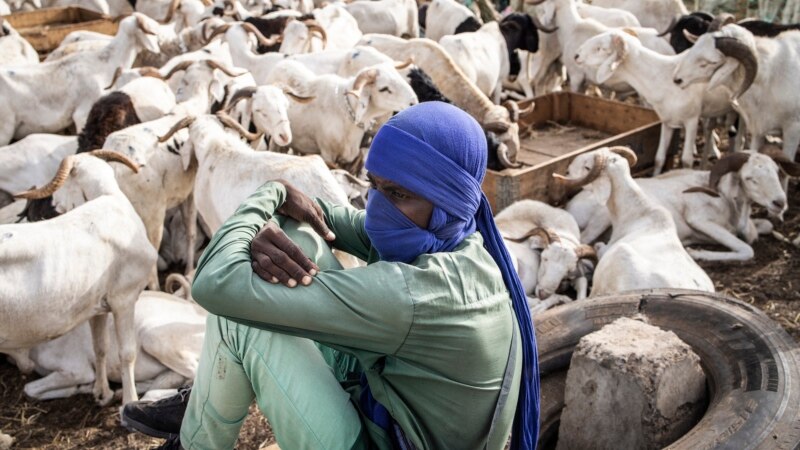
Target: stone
(631,385)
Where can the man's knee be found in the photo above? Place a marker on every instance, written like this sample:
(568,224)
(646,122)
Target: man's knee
(312,244)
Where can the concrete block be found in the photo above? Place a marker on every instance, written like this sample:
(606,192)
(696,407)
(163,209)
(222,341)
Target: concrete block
(631,386)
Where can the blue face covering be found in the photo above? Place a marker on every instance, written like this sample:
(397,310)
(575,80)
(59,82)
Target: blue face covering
(439,152)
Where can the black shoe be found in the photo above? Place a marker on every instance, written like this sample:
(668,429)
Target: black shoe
(161,419)
(173,443)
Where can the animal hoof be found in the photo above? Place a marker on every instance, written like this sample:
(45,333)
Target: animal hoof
(104,397)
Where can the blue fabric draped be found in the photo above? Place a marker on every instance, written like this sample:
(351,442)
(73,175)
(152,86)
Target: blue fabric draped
(439,152)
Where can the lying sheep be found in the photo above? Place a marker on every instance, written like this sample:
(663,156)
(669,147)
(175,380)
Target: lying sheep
(715,213)
(555,233)
(102,240)
(14,49)
(644,251)
(170,334)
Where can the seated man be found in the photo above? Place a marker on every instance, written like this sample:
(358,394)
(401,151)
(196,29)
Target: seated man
(429,346)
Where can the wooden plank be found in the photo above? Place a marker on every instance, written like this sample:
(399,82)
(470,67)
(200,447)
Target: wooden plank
(46,28)
(630,125)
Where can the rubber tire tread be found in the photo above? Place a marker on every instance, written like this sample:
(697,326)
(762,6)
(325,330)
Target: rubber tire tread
(752,365)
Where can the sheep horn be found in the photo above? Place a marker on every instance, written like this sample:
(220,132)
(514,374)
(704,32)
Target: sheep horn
(545,235)
(213,64)
(207,3)
(240,95)
(729,163)
(505,160)
(183,65)
(181,124)
(585,251)
(788,166)
(176,281)
(142,24)
(528,109)
(230,122)
(541,27)
(404,64)
(173,6)
(250,28)
(217,31)
(626,153)
(364,78)
(114,79)
(534,2)
(355,179)
(597,168)
(734,48)
(513,110)
(496,127)
(314,26)
(58,180)
(702,190)
(112,156)
(150,71)
(703,15)
(689,36)
(669,28)
(720,21)
(298,98)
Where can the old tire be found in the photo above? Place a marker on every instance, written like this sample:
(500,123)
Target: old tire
(751,364)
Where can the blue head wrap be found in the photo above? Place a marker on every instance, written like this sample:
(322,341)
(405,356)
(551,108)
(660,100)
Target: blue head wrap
(439,152)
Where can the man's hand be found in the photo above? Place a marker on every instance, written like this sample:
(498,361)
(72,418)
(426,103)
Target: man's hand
(275,257)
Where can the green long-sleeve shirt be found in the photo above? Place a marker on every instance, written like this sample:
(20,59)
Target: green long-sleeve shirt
(433,336)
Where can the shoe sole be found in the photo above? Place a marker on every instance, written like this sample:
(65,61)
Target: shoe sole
(133,425)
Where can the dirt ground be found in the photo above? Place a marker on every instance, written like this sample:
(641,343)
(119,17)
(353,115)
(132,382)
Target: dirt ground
(771,281)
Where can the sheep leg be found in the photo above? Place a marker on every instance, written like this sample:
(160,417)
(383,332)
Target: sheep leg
(544,305)
(59,384)
(741,251)
(689,144)
(710,149)
(155,235)
(741,132)
(663,146)
(189,214)
(126,338)
(22,359)
(102,392)
(581,285)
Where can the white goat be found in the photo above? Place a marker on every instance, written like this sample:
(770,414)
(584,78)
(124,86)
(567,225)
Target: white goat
(760,72)
(618,54)
(48,97)
(554,232)
(170,334)
(707,207)
(392,17)
(14,49)
(102,241)
(343,110)
(644,251)
(222,158)
(332,28)
(574,30)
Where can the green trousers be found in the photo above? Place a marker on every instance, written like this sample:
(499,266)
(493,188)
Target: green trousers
(298,385)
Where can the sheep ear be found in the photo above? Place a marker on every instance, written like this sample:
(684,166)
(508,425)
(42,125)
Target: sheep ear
(186,152)
(610,65)
(722,74)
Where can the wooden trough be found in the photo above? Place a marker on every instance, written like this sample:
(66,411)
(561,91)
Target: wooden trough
(562,126)
(46,28)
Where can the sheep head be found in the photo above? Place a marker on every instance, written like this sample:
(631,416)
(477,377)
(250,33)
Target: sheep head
(587,167)
(716,56)
(380,88)
(604,53)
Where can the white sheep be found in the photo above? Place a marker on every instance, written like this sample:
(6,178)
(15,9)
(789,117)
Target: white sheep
(656,14)
(621,55)
(392,17)
(555,233)
(49,97)
(14,49)
(33,160)
(170,334)
(221,158)
(707,207)
(644,251)
(760,73)
(102,241)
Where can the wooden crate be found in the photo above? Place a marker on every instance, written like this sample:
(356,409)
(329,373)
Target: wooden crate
(623,124)
(46,28)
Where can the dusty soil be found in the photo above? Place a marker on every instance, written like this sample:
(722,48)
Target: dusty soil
(541,143)
(771,281)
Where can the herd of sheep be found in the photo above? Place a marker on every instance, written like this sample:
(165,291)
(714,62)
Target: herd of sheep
(121,154)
